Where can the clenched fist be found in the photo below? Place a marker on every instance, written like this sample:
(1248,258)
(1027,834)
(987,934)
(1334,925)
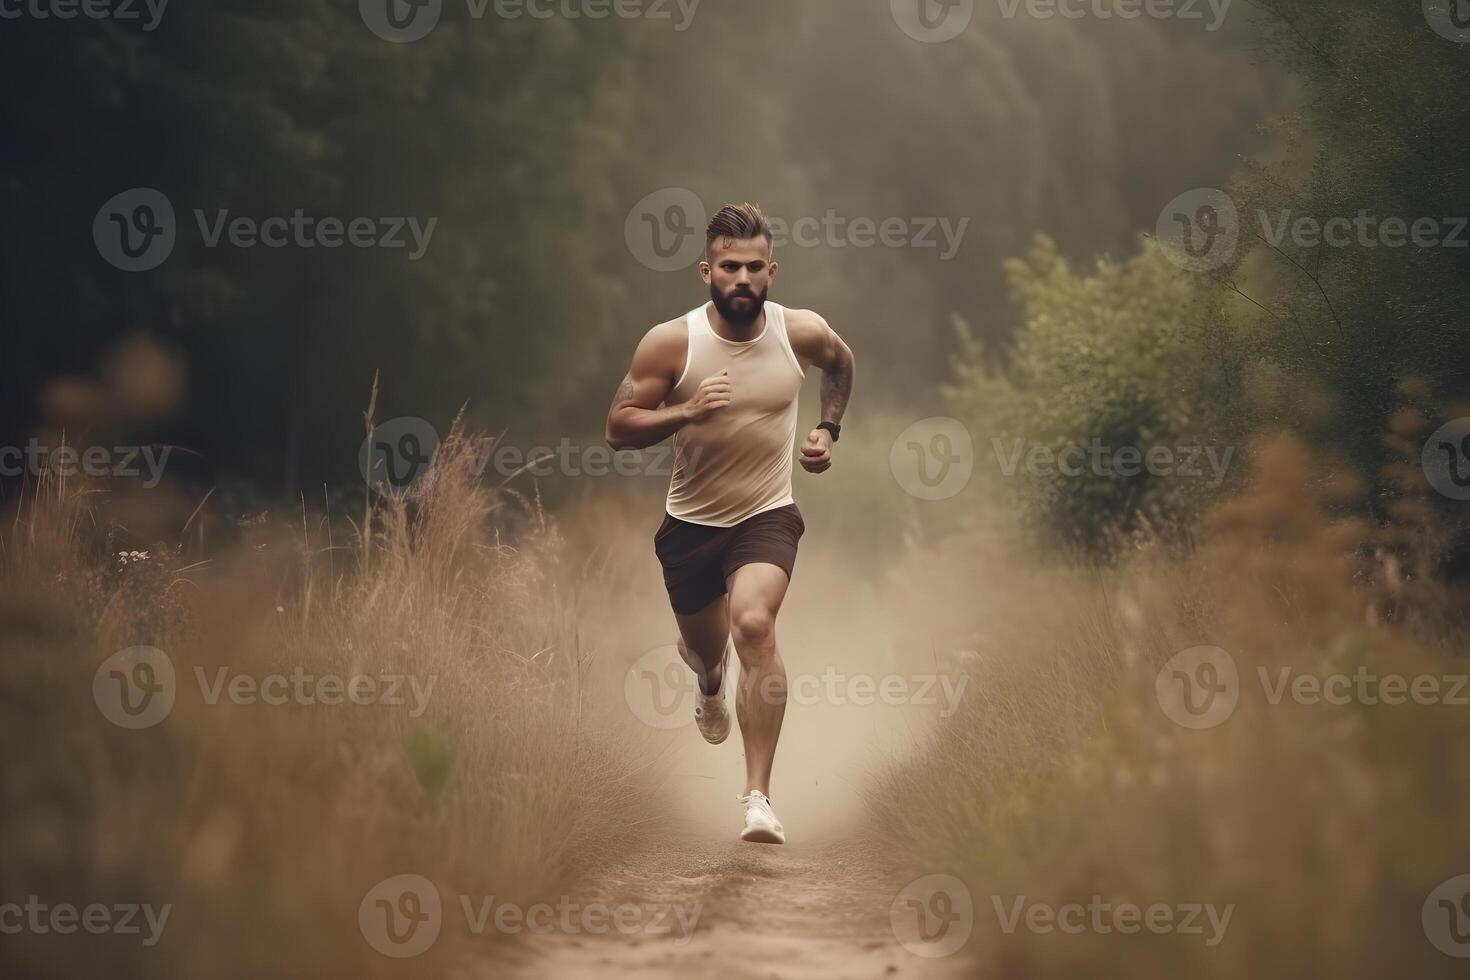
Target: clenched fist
(816,452)
(713,395)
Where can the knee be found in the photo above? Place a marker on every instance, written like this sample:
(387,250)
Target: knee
(753,629)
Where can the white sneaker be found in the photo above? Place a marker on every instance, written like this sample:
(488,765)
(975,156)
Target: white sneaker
(761,825)
(710,713)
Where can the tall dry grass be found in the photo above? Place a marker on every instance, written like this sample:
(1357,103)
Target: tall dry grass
(262,825)
(1062,778)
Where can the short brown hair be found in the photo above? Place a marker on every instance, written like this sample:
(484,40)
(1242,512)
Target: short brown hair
(738,221)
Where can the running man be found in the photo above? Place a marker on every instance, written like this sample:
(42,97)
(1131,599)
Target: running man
(723,381)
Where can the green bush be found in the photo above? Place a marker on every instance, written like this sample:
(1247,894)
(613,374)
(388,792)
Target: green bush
(1121,356)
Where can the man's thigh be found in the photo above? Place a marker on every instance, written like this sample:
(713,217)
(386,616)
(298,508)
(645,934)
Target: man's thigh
(756,591)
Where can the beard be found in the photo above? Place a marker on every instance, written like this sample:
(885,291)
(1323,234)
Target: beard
(743,315)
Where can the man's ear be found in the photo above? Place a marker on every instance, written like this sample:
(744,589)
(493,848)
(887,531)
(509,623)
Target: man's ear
(775,267)
(704,271)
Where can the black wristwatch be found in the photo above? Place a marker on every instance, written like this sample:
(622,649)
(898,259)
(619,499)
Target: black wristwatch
(833,428)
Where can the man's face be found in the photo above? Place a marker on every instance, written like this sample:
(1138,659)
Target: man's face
(739,274)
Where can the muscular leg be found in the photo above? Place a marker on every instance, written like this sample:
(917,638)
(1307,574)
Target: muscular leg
(706,634)
(755,594)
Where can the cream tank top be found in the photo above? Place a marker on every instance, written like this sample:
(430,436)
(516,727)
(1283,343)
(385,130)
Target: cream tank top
(737,462)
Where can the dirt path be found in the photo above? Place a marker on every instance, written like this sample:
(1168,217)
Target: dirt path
(818,906)
(731,909)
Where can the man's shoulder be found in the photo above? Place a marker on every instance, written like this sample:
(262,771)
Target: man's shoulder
(665,344)
(677,328)
(804,324)
(669,336)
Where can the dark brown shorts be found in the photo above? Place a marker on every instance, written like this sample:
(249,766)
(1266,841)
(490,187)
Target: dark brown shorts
(697,558)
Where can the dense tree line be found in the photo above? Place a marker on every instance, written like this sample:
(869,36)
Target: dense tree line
(528,141)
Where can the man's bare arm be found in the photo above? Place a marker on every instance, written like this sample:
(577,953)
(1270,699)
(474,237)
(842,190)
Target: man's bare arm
(817,343)
(636,420)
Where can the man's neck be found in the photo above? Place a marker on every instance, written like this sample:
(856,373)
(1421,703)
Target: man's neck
(734,332)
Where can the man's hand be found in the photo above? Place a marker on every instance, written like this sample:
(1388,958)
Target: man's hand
(816,452)
(713,395)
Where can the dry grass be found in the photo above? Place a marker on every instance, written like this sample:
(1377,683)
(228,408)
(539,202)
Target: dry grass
(264,825)
(1325,825)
